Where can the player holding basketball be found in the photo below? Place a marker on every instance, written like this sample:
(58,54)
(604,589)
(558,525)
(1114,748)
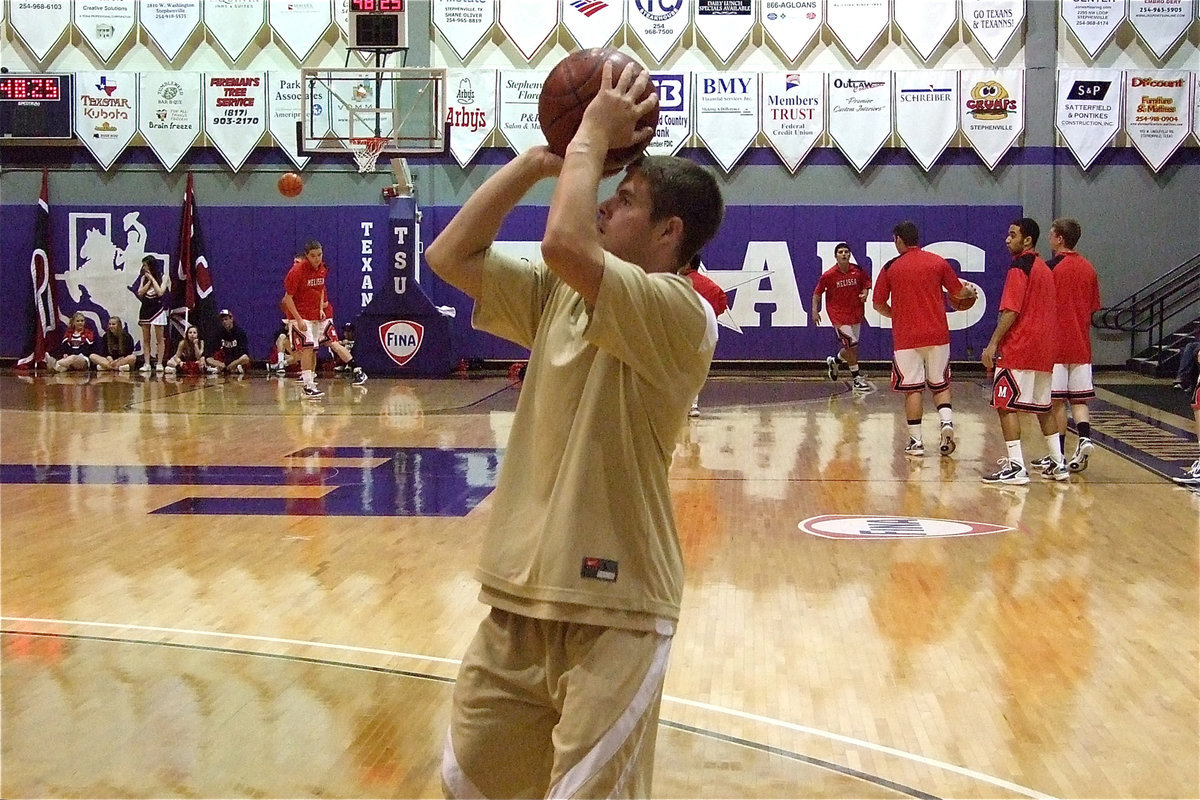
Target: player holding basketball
(558,694)
(909,292)
(1021,351)
(847,287)
(1077,291)
(304,305)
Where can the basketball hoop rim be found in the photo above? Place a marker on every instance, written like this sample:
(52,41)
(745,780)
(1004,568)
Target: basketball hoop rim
(366,150)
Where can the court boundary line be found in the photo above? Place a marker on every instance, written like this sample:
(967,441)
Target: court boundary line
(720,710)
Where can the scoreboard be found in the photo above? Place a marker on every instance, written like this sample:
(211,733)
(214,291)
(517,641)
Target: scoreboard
(36,106)
(378,25)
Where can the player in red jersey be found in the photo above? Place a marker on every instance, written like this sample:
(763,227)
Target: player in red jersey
(846,286)
(713,294)
(304,303)
(1191,475)
(908,291)
(1022,352)
(1077,291)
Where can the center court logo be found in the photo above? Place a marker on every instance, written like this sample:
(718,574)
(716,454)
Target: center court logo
(843,526)
(401,339)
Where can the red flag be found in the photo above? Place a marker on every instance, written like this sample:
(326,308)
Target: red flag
(45,307)
(192,302)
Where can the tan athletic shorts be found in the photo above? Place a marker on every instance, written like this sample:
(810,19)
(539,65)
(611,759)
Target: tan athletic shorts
(554,709)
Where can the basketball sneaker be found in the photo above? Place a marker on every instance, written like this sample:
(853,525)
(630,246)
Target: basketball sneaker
(694,411)
(1078,462)
(310,392)
(1042,462)
(860,385)
(358,377)
(946,443)
(1055,472)
(1191,475)
(915,448)
(831,368)
(1010,472)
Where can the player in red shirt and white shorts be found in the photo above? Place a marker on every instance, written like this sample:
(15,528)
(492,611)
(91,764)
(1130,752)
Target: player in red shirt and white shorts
(1022,352)
(908,291)
(1077,291)
(1191,475)
(304,304)
(846,287)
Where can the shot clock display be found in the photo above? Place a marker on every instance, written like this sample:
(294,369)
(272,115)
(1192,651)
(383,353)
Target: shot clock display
(378,25)
(36,106)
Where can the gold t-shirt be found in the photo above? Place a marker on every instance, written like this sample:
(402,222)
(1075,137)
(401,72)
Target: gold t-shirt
(582,528)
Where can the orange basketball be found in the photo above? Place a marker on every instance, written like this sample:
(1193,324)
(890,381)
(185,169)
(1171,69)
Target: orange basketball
(290,184)
(966,302)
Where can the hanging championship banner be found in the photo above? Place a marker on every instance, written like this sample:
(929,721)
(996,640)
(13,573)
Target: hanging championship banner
(283,112)
(235,113)
(170,23)
(471,110)
(39,24)
(105,113)
(993,23)
(992,111)
(341,17)
(1161,23)
(234,24)
(529,24)
(724,24)
(169,113)
(1093,22)
(926,112)
(518,114)
(793,113)
(104,24)
(464,23)
(727,113)
(860,113)
(1088,112)
(592,23)
(674,91)
(1157,106)
(791,24)
(657,24)
(300,24)
(925,23)
(857,24)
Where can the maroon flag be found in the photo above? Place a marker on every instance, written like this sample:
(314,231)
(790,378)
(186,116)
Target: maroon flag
(192,301)
(45,309)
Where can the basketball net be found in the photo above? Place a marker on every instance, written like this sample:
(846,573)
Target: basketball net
(366,151)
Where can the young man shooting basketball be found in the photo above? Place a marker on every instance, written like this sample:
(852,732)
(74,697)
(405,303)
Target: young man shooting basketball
(558,694)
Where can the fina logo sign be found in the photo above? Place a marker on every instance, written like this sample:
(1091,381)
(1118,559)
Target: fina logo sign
(401,339)
(843,526)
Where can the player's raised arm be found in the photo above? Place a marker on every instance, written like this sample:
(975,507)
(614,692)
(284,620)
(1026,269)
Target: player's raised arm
(457,254)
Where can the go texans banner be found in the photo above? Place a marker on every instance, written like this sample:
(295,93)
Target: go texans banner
(727,114)
(860,114)
(993,23)
(1157,108)
(464,23)
(592,23)
(792,110)
(992,111)
(1088,112)
(792,24)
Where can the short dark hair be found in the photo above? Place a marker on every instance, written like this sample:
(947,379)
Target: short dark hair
(841,246)
(908,233)
(1068,229)
(1028,228)
(312,244)
(681,188)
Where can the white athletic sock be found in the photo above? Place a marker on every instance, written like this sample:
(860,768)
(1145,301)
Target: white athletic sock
(1015,454)
(307,377)
(1055,446)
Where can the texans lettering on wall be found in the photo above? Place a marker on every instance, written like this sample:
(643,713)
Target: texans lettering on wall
(401,339)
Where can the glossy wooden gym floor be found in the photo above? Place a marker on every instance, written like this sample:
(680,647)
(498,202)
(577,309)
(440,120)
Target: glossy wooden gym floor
(213,589)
